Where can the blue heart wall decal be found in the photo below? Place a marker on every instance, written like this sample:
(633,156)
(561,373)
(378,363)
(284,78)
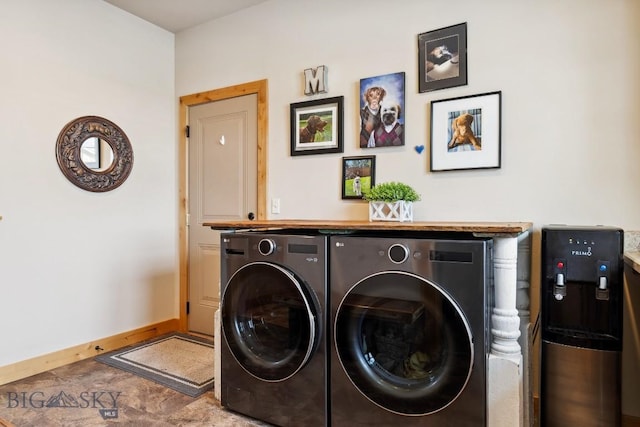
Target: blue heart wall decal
(419,148)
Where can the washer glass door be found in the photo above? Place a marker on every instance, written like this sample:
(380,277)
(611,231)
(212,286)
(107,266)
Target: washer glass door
(404,343)
(270,321)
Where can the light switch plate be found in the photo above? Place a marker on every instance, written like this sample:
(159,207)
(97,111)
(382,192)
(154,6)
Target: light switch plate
(275,206)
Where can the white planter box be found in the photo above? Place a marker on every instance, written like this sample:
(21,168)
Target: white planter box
(400,211)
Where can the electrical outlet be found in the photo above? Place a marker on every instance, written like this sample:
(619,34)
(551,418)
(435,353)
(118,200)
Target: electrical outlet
(275,206)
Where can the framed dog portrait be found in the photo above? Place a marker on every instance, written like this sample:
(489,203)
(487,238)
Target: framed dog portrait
(358,176)
(382,111)
(442,58)
(316,126)
(466,132)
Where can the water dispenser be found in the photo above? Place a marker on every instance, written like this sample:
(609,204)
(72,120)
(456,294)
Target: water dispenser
(581,325)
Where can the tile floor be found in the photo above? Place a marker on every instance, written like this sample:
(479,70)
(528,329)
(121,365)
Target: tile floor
(98,389)
(89,393)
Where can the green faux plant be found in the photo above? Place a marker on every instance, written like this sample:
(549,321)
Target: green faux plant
(391,192)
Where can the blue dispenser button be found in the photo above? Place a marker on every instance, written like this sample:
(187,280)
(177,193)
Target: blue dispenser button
(603,267)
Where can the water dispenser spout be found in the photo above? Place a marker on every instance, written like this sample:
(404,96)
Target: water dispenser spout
(559,289)
(602,290)
(602,283)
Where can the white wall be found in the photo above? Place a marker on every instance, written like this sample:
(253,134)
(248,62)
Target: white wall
(568,72)
(74,265)
(77,266)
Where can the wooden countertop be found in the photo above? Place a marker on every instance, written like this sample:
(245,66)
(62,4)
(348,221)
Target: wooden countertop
(510,228)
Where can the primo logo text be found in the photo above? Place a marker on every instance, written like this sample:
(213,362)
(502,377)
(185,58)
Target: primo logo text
(582,253)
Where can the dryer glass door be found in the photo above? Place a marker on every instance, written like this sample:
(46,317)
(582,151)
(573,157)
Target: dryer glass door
(404,343)
(270,321)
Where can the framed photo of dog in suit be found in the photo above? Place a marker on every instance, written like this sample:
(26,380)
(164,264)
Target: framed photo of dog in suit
(358,176)
(442,58)
(382,111)
(316,126)
(466,132)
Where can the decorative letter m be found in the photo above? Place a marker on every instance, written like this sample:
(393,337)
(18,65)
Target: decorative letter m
(315,80)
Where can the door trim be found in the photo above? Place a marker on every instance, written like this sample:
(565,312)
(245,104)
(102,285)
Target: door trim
(258,87)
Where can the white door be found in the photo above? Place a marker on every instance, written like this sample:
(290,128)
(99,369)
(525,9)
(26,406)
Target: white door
(223,165)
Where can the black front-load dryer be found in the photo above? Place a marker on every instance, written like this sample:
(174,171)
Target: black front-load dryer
(273,350)
(410,331)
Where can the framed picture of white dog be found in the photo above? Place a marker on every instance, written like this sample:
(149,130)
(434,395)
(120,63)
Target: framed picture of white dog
(316,126)
(358,176)
(442,58)
(466,132)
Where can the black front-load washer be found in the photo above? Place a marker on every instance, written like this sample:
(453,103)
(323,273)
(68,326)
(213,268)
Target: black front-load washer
(273,346)
(410,331)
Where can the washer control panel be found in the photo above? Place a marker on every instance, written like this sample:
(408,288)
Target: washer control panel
(398,253)
(266,246)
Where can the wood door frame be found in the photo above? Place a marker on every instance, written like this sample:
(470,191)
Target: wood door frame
(258,87)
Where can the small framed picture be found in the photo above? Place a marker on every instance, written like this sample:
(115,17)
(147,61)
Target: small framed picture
(316,126)
(358,176)
(442,58)
(466,132)
(382,111)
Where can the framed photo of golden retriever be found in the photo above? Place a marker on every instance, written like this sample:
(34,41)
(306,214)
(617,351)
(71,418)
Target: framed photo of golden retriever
(358,176)
(442,58)
(316,126)
(466,132)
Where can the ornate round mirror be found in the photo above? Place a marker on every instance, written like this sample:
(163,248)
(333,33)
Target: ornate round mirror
(94,153)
